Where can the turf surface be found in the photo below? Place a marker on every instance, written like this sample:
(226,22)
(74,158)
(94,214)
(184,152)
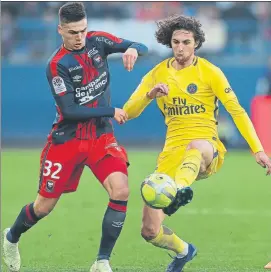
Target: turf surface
(229,219)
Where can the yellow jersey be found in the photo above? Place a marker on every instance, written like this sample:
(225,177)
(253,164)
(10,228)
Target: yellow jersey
(191,106)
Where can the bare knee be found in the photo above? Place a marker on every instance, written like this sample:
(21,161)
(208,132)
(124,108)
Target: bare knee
(149,232)
(117,187)
(151,223)
(42,210)
(120,193)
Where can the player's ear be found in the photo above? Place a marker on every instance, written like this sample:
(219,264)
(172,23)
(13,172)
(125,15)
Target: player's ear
(196,44)
(59,29)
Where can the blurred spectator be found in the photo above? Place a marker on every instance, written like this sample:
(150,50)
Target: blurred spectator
(216,36)
(263,86)
(107,10)
(242,27)
(232,29)
(8,33)
(11,7)
(262,10)
(240,10)
(153,11)
(31,9)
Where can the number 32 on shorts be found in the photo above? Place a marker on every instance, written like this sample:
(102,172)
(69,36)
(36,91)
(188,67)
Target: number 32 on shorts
(52,169)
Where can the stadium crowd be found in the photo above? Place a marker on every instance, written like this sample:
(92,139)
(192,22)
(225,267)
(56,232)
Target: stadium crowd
(240,28)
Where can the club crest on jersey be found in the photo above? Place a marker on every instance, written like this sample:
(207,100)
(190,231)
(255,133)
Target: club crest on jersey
(98,61)
(50,186)
(192,88)
(59,84)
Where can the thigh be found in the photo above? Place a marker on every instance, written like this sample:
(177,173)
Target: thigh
(169,161)
(116,184)
(105,145)
(107,166)
(106,156)
(60,168)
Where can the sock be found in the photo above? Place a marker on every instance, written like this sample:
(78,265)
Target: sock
(111,228)
(25,220)
(188,171)
(167,239)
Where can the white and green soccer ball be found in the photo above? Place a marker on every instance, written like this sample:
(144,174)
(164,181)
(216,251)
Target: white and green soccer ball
(158,190)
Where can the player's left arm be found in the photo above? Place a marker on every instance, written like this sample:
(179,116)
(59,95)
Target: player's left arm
(113,44)
(226,95)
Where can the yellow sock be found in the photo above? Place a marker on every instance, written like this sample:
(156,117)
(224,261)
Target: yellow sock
(188,171)
(169,240)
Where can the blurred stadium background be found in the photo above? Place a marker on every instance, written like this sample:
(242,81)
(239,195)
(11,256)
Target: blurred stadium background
(229,219)
(238,41)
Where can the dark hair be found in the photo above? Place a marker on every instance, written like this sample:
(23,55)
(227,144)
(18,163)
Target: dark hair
(72,12)
(167,26)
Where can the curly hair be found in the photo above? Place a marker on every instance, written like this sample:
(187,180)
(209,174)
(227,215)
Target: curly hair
(72,12)
(167,26)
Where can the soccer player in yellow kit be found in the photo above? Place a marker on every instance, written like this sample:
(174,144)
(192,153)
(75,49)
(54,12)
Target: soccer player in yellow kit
(187,89)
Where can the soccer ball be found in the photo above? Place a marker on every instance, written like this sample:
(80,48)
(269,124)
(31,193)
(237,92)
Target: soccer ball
(158,190)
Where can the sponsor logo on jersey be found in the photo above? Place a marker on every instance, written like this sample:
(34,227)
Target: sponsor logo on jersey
(93,89)
(59,85)
(192,88)
(181,107)
(92,52)
(77,78)
(77,67)
(105,40)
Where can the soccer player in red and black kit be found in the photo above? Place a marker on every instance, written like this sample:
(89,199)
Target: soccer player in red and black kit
(82,133)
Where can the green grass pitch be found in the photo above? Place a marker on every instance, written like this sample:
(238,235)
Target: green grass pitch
(229,219)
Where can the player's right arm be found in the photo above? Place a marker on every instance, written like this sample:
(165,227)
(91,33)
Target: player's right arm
(63,93)
(146,91)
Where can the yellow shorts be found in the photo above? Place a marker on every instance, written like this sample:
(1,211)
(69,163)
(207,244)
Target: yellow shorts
(169,161)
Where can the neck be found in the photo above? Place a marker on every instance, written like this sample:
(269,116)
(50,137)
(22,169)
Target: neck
(70,49)
(179,66)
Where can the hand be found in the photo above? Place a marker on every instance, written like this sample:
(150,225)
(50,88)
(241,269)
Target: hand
(129,58)
(263,160)
(120,116)
(159,90)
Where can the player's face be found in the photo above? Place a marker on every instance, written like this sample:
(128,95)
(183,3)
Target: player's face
(183,46)
(74,34)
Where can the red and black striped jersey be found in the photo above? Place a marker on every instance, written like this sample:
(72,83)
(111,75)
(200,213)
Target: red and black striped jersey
(80,81)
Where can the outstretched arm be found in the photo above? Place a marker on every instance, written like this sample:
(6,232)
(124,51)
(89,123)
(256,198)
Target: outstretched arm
(113,44)
(225,94)
(144,94)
